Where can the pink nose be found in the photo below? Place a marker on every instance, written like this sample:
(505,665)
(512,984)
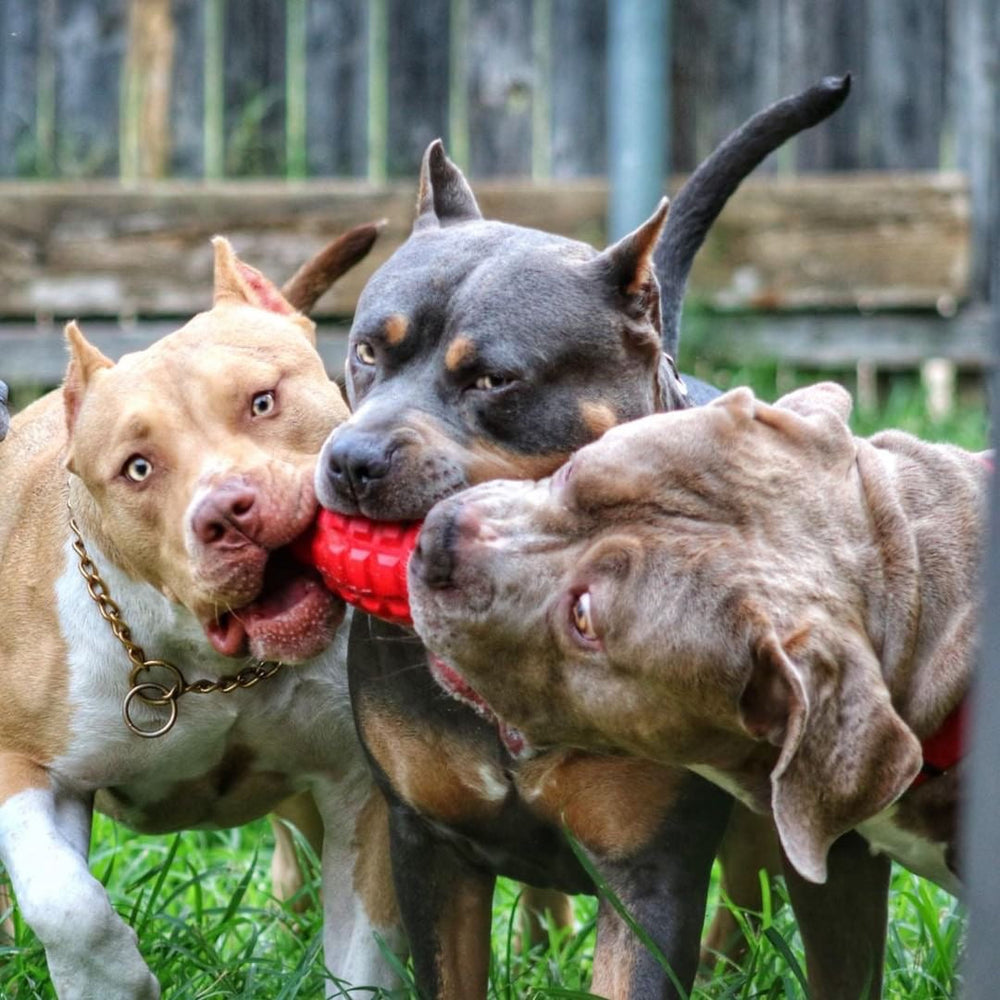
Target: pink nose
(228,516)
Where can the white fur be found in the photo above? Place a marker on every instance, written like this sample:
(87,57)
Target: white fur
(296,724)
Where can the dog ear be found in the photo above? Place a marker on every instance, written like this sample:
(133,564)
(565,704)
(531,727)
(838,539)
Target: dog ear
(444,197)
(85,359)
(626,267)
(845,752)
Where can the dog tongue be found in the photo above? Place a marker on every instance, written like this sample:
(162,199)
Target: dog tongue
(227,635)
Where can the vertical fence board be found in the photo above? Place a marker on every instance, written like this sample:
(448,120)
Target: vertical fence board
(975,107)
(578,81)
(89,45)
(500,81)
(906,96)
(19,37)
(187,91)
(419,46)
(823,38)
(254,88)
(337,88)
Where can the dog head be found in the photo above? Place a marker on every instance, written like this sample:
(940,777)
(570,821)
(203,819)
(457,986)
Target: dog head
(483,350)
(197,456)
(690,588)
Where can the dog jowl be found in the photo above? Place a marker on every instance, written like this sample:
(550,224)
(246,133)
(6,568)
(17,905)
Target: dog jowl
(483,350)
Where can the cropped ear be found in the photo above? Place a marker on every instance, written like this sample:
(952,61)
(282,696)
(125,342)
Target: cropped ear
(240,284)
(85,360)
(627,268)
(445,197)
(845,753)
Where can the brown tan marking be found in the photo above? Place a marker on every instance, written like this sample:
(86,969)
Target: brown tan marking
(463,960)
(372,871)
(460,351)
(613,805)
(598,417)
(397,326)
(431,769)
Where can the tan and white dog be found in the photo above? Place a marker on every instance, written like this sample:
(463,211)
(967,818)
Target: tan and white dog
(145,516)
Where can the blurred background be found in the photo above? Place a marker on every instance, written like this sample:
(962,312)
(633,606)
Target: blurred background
(132,130)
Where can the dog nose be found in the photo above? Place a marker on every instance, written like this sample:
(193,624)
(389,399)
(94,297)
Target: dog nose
(436,555)
(433,558)
(227,517)
(355,459)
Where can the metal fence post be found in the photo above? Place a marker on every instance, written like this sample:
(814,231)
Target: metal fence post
(638,109)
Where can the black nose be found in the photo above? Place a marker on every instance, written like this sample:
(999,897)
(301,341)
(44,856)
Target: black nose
(433,559)
(356,459)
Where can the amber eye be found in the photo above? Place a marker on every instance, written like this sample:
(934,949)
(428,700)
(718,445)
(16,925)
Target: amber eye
(487,382)
(262,404)
(582,620)
(137,468)
(364,352)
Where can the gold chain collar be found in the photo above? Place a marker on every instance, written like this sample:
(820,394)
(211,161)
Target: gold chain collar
(152,692)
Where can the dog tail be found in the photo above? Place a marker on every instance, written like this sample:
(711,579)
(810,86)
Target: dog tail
(699,202)
(304,288)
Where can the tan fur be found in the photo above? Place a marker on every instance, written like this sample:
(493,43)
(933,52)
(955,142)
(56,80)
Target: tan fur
(597,417)
(460,351)
(372,878)
(397,326)
(632,797)
(429,770)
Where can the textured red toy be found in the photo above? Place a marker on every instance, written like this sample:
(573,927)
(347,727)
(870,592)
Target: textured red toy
(364,561)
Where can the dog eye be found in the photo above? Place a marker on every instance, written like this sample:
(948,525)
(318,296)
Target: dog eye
(487,382)
(137,468)
(364,352)
(262,404)
(582,620)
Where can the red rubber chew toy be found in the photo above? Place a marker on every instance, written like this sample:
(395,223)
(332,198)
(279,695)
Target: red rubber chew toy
(363,561)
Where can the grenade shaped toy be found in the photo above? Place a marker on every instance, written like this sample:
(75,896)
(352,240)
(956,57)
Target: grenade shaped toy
(363,561)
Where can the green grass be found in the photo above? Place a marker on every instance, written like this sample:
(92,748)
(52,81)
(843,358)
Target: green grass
(209,927)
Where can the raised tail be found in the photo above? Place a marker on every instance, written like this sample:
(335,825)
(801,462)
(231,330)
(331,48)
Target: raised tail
(701,199)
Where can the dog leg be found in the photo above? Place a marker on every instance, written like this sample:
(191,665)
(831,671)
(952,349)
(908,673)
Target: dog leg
(287,877)
(535,904)
(446,907)
(358,897)
(664,889)
(843,921)
(91,951)
(749,846)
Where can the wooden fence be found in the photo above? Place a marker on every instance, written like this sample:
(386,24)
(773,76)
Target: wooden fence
(340,97)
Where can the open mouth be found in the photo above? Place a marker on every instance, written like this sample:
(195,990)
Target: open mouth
(459,688)
(293,618)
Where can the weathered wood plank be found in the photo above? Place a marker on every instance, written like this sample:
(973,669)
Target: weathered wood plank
(863,240)
(501,83)
(89,46)
(418,49)
(19,38)
(578,60)
(37,355)
(906,95)
(254,88)
(336,88)
(187,90)
(838,341)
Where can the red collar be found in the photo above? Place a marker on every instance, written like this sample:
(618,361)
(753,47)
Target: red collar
(943,749)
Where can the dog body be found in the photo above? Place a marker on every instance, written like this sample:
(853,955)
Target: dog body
(186,470)
(744,589)
(484,350)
